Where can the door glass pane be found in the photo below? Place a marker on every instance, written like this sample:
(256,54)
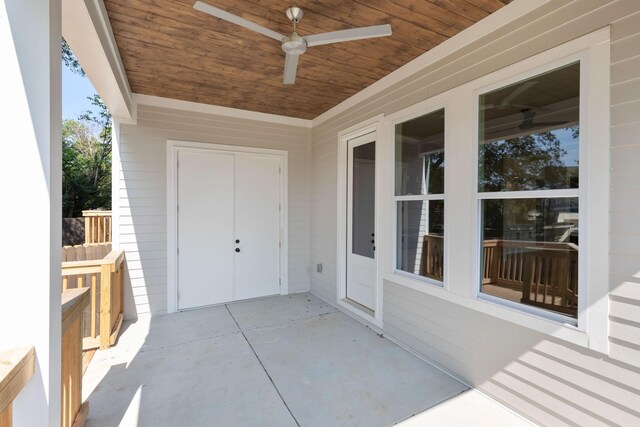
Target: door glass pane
(530,252)
(420,155)
(363,200)
(529,133)
(420,238)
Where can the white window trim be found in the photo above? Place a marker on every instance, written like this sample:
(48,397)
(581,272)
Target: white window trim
(593,50)
(418,110)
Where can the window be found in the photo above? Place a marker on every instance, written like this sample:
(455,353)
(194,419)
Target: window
(528,190)
(419,195)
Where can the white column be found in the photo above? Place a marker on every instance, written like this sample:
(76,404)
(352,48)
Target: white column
(30,198)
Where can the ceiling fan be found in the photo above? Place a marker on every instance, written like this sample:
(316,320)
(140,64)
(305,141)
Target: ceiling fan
(528,123)
(528,115)
(507,100)
(294,45)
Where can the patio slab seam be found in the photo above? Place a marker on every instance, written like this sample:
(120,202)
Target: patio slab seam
(284,402)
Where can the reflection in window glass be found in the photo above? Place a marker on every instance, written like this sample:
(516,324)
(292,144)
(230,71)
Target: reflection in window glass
(363,198)
(420,237)
(530,252)
(529,134)
(420,155)
(529,140)
(419,169)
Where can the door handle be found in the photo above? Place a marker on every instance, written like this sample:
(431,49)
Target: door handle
(237,240)
(237,249)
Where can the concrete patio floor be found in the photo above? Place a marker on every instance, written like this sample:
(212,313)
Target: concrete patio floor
(280,361)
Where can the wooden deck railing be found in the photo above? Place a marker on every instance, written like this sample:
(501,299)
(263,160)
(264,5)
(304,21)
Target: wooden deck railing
(432,254)
(16,369)
(73,411)
(105,278)
(544,273)
(97,226)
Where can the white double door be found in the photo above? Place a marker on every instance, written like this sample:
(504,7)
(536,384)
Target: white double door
(228,209)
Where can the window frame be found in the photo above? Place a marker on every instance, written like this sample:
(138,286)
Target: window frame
(418,110)
(593,177)
(460,285)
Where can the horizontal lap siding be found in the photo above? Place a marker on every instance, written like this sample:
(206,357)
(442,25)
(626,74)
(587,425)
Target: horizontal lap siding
(142,193)
(548,380)
(624,306)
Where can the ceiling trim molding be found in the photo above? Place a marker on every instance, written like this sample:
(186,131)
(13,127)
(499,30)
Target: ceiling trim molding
(494,21)
(196,107)
(87,29)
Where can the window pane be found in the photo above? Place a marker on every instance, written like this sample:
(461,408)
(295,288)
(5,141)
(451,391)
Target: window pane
(530,252)
(420,238)
(529,133)
(363,200)
(420,155)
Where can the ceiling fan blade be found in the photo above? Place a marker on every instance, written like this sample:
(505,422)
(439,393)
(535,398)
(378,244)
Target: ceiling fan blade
(290,66)
(235,19)
(348,35)
(513,95)
(535,125)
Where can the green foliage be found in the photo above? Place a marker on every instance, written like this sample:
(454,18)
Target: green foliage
(69,59)
(86,168)
(86,154)
(530,162)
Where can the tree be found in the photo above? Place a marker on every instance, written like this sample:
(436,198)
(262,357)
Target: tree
(530,162)
(70,60)
(86,168)
(86,155)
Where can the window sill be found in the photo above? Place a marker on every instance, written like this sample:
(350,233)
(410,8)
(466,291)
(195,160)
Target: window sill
(565,332)
(419,279)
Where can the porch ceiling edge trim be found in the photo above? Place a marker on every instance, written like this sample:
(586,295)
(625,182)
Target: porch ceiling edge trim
(196,107)
(87,29)
(494,21)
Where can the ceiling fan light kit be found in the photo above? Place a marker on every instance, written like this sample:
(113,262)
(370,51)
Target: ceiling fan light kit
(294,45)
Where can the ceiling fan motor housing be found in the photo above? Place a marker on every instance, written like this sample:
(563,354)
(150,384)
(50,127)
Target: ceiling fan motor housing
(294,44)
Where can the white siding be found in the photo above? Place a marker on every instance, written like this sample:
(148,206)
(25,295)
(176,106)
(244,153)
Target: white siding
(547,379)
(142,193)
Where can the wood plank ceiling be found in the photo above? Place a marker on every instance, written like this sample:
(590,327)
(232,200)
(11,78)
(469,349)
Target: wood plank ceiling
(171,50)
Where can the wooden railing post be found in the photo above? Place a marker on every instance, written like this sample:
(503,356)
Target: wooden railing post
(496,261)
(73,411)
(16,369)
(105,305)
(106,296)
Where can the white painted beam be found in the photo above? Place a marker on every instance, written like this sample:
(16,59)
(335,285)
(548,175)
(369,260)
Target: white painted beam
(87,29)
(31,199)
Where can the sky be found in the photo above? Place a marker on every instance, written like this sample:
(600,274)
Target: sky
(75,90)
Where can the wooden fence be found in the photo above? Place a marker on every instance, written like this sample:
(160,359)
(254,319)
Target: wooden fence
(98,267)
(73,410)
(545,274)
(97,226)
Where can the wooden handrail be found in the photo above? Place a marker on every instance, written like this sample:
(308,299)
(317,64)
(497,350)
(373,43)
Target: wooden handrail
(16,369)
(543,273)
(73,410)
(114,257)
(96,213)
(105,276)
(73,303)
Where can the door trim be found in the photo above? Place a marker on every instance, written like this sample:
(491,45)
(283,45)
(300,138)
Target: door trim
(173,146)
(372,125)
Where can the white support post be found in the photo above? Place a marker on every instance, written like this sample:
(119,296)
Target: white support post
(30,199)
